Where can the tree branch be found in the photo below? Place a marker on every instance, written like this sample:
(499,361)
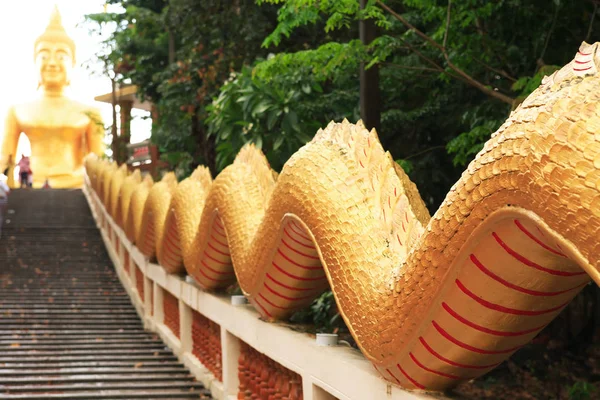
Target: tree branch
(423,56)
(498,71)
(424,151)
(447,24)
(435,65)
(411,27)
(550,32)
(400,66)
(460,73)
(473,82)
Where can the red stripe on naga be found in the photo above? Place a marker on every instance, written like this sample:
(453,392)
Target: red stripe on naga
(465,346)
(220,233)
(484,329)
(297,277)
(285,297)
(289,287)
(506,310)
(217,250)
(172,245)
(298,252)
(293,225)
(512,286)
(262,308)
(297,241)
(169,256)
(453,363)
(535,239)
(274,305)
(306,267)
(392,375)
(530,263)
(217,272)
(417,384)
(431,370)
(212,279)
(215,260)
(216,240)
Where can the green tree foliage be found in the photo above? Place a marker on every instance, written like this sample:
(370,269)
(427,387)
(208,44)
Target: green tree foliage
(250,111)
(278,115)
(138,42)
(582,391)
(179,53)
(451,71)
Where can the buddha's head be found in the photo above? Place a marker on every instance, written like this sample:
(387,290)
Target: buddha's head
(54,54)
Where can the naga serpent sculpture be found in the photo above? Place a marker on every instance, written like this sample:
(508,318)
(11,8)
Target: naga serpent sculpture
(430,301)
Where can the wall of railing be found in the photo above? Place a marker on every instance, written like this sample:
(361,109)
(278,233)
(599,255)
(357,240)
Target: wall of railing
(227,347)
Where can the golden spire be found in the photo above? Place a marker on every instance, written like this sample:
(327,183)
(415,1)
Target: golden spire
(55,32)
(55,20)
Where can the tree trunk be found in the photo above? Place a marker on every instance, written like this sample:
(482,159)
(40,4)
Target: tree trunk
(125,135)
(113,130)
(370,95)
(171,47)
(206,145)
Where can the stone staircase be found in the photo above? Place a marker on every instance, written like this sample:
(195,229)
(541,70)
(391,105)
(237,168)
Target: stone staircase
(67,327)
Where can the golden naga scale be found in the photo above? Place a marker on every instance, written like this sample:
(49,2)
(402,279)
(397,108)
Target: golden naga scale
(431,301)
(61,131)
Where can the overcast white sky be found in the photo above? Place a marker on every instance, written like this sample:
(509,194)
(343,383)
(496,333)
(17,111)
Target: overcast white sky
(21,22)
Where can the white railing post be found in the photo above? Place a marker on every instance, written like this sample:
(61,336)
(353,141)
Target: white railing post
(230,350)
(185,327)
(158,315)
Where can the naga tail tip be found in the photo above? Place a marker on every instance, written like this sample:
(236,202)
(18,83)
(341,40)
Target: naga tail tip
(585,63)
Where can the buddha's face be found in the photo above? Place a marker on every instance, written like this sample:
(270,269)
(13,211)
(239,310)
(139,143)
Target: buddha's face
(54,62)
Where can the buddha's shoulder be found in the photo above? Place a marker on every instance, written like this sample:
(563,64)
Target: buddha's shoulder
(89,110)
(64,104)
(77,105)
(63,112)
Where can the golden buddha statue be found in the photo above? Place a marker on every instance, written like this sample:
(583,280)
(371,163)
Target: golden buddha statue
(61,131)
